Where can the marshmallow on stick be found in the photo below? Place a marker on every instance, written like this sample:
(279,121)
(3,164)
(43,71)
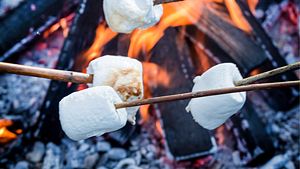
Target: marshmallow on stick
(126,15)
(212,111)
(91,112)
(123,74)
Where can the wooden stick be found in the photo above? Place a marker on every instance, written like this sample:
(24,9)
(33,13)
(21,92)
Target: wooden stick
(157,2)
(268,74)
(61,75)
(190,95)
(76,77)
(82,78)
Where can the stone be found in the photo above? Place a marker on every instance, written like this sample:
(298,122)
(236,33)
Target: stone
(90,160)
(22,165)
(103,146)
(117,154)
(37,153)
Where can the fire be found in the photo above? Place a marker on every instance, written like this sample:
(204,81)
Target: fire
(252,5)
(6,135)
(175,14)
(159,127)
(144,110)
(62,23)
(237,16)
(154,75)
(103,36)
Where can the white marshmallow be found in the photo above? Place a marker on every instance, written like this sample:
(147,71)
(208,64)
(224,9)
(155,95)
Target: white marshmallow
(212,111)
(91,112)
(123,74)
(126,15)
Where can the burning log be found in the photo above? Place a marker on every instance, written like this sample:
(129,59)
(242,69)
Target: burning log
(84,25)
(28,18)
(233,41)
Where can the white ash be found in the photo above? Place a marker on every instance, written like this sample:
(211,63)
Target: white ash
(123,74)
(126,15)
(19,94)
(7,5)
(91,112)
(211,112)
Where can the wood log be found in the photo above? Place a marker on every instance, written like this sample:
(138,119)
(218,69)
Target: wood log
(251,134)
(185,138)
(236,45)
(28,18)
(81,35)
(279,99)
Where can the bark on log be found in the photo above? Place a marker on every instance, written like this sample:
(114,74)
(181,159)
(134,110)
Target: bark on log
(185,138)
(81,35)
(28,18)
(234,42)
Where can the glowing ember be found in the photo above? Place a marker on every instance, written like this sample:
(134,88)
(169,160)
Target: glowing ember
(159,127)
(144,110)
(6,135)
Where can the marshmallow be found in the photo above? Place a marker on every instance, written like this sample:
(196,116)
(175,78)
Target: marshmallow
(212,111)
(126,15)
(91,112)
(123,74)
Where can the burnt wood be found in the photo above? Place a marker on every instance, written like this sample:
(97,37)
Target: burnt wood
(251,134)
(234,42)
(80,37)
(185,138)
(29,20)
(279,99)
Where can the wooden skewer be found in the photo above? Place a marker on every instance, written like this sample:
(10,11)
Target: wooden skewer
(76,77)
(157,2)
(82,78)
(191,95)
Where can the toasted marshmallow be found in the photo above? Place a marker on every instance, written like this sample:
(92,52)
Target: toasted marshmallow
(91,112)
(123,74)
(212,111)
(126,15)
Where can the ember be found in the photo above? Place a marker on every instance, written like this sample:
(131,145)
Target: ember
(191,37)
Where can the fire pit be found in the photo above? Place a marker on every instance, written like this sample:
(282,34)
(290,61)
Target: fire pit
(191,37)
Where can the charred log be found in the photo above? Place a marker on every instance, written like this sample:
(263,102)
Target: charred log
(81,35)
(283,99)
(179,126)
(30,18)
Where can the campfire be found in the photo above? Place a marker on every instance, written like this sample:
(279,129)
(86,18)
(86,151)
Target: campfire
(57,40)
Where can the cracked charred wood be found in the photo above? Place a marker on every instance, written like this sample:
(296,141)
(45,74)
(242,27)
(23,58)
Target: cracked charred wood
(28,18)
(81,35)
(178,125)
(236,46)
(280,99)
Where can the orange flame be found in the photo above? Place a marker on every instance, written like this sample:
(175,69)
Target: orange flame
(103,36)
(175,14)
(62,23)
(159,127)
(252,5)
(144,110)
(6,135)
(237,16)
(154,75)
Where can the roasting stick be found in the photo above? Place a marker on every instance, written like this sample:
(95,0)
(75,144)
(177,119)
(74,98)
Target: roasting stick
(76,77)
(191,95)
(157,2)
